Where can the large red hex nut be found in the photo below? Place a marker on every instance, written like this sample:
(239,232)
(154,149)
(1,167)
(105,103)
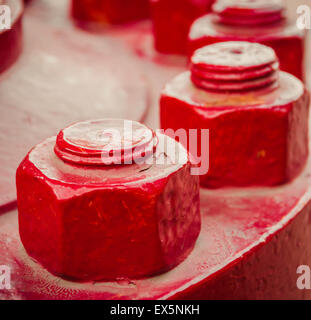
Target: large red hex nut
(257,116)
(103,12)
(10,32)
(172,20)
(83,218)
(262,21)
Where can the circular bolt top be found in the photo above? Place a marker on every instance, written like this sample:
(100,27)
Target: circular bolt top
(105,142)
(234,66)
(249,12)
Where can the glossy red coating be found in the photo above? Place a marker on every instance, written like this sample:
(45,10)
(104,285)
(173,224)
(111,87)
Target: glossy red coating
(103,144)
(103,12)
(118,221)
(172,20)
(11,40)
(260,21)
(249,12)
(42,92)
(257,237)
(257,137)
(234,67)
(251,244)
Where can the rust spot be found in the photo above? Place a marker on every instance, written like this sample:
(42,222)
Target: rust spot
(261,154)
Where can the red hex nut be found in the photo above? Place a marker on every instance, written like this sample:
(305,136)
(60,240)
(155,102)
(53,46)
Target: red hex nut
(257,116)
(85,219)
(11,37)
(104,12)
(262,21)
(172,20)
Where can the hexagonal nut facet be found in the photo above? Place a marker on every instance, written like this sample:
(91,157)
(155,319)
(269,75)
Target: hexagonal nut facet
(257,138)
(89,222)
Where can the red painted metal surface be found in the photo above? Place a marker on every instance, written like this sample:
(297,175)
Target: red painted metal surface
(98,221)
(172,20)
(248,23)
(11,39)
(252,240)
(42,91)
(234,67)
(251,243)
(258,122)
(105,12)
